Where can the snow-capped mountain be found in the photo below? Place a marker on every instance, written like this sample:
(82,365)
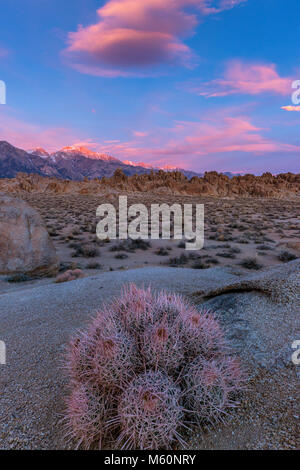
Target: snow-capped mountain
(40,152)
(69,163)
(143,165)
(73,163)
(187,173)
(72,151)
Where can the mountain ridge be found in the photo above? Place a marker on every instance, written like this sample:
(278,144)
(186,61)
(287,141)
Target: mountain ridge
(70,163)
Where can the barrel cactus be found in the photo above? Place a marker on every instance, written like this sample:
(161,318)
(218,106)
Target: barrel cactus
(149,366)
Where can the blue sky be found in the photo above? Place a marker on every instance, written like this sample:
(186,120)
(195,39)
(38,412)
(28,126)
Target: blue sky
(198,84)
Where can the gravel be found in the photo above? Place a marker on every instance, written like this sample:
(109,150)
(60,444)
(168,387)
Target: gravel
(37,320)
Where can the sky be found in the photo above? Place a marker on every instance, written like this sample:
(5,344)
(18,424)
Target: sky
(198,84)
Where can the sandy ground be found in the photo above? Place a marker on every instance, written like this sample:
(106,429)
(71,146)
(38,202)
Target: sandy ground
(235,230)
(36,322)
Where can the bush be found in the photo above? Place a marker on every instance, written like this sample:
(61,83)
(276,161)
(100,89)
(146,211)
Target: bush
(162,251)
(131,245)
(21,277)
(93,266)
(145,365)
(286,256)
(264,247)
(70,275)
(181,244)
(87,251)
(250,263)
(200,265)
(121,256)
(225,254)
(179,261)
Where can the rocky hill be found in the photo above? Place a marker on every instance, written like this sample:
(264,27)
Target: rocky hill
(69,163)
(285,185)
(14,160)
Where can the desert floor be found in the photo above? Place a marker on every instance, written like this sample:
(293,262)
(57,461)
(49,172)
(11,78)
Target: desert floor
(249,234)
(39,316)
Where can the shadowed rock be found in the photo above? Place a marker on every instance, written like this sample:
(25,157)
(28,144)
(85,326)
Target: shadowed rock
(280,283)
(260,313)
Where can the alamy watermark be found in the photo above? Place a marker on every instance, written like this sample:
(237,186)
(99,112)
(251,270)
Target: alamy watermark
(2,353)
(296,94)
(134,222)
(296,354)
(2,92)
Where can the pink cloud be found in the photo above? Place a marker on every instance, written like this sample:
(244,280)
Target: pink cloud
(248,79)
(132,35)
(291,108)
(194,145)
(140,134)
(26,135)
(210,143)
(208,8)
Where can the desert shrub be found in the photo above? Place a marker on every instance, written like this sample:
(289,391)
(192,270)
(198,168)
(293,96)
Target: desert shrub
(250,263)
(286,256)
(121,256)
(162,251)
(70,275)
(243,241)
(149,366)
(87,251)
(226,254)
(264,247)
(74,245)
(235,250)
(200,265)
(212,260)
(269,240)
(181,244)
(93,266)
(66,266)
(139,244)
(20,277)
(178,261)
(90,251)
(262,253)
(131,245)
(118,247)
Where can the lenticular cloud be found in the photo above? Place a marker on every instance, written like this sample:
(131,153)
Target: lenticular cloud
(132,36)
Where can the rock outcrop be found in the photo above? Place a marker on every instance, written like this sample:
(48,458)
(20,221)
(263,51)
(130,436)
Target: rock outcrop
(286,185)
(25,246)
(260,312)
(281,283)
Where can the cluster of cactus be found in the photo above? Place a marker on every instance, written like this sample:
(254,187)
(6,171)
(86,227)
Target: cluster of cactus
(149,366)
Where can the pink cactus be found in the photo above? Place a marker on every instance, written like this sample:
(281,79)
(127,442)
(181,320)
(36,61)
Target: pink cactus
(162,346)
(87,412)
(210,386)
(150,412)
(148,364)
(105,356)
(203,334)
(134,308)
